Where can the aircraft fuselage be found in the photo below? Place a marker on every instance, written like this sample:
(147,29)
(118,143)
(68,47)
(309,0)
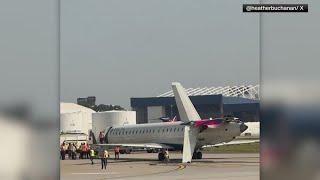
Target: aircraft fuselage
(171,134)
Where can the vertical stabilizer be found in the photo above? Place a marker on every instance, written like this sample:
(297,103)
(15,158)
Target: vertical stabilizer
(186,109)
(189,143)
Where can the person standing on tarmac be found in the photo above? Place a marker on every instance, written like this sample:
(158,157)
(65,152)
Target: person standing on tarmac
(63,151)
(83,150)
(74,151)
(70,151)
(91,155)
(116,152)
(101,137)
(86,151)
(104,155)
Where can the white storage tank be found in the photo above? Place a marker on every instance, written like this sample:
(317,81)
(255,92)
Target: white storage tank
(71,122)
(75,118)
(102,120)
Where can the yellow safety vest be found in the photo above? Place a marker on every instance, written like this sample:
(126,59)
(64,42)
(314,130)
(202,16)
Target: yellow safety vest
(91,152)
(106,154)
(166,154)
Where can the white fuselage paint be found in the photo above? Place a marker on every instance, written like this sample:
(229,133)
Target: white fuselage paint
(253,131)
(170,134)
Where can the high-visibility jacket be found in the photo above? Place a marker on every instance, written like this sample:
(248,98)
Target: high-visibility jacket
(166,154)
(86,148)
(83,147)
(117,149)
(91,152)
(105,154)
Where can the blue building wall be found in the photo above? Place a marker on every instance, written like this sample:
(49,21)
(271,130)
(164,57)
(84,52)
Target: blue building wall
(167,101)
(207,106)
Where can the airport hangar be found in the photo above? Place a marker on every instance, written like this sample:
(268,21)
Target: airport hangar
(210,102)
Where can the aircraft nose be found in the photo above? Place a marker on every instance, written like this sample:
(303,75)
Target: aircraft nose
(243,127)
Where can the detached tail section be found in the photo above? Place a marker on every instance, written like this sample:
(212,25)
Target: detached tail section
(187,114)
(186,109)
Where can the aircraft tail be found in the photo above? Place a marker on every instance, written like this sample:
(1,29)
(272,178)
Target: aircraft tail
(186,109)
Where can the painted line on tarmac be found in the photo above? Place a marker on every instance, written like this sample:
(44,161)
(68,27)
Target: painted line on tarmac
(94,173)
(180,167)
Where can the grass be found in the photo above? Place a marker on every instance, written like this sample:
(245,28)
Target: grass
(236,148)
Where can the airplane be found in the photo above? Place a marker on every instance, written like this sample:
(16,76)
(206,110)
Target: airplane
(188,135)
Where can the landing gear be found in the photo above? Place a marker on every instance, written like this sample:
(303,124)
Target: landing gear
(161,156)
(125,151)
(197,155)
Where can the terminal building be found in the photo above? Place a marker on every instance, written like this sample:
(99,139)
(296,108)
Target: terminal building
(210,102)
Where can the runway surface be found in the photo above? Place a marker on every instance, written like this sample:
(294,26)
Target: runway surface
(146,166)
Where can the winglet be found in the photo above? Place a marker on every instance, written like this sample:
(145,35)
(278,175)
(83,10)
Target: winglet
(186,109)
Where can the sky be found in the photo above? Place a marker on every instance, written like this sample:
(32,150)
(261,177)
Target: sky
(118,49)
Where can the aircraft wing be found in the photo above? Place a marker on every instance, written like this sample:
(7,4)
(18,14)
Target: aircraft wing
(234,142)
(145,145)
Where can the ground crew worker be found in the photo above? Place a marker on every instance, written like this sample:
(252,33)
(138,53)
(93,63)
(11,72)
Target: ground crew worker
(83,151)
(104,155)
(166,155)
(70,151)
(101,137)
(73,151)
(91,155)
(86,150)
(63,151)
(116,152)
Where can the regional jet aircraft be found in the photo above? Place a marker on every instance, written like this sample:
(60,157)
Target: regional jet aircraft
(189,134)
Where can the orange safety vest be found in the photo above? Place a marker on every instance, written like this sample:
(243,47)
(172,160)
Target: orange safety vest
(117,149)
